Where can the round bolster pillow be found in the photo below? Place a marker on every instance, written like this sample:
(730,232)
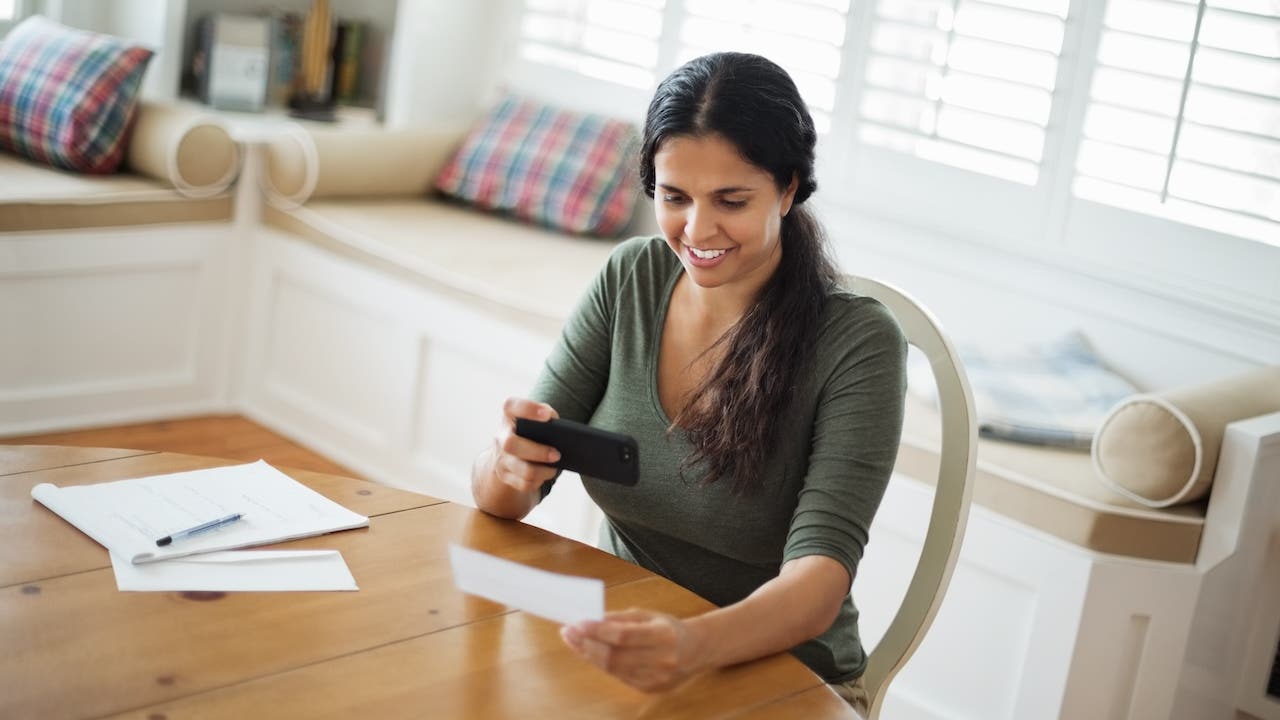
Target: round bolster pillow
(1161,449)
(182,146)
(307,163)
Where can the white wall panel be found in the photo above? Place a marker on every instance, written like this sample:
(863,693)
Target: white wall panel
(136,326)
(111,325)
(460,396)
(349,363)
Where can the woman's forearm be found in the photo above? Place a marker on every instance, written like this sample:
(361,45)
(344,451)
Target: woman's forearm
(798,605)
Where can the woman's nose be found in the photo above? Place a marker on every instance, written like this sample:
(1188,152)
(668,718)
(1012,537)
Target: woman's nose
(699,224)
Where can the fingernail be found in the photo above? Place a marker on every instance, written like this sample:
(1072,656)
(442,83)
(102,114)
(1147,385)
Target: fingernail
(553,456)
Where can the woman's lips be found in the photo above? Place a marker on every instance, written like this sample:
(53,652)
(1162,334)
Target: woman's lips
(705,262)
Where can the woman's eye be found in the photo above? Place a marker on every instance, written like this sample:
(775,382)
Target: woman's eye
(672,199)
(735,204)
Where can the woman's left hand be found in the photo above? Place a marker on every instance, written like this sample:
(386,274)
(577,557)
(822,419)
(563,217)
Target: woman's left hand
(649,651)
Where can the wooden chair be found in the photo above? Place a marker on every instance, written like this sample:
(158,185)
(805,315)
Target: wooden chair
(951,499)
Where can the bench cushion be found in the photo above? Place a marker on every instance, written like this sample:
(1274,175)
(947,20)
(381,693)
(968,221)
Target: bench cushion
(34,198)
(481,258)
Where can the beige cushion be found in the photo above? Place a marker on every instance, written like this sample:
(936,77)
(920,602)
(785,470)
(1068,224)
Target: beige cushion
(183,147)
(22,181)
(481,258)
(311,162)
(1161,449)
(36,197)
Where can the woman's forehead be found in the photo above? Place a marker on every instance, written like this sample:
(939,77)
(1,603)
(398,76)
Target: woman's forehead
(706,159)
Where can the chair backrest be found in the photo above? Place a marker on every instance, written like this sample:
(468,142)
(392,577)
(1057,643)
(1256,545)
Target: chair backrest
(951,499)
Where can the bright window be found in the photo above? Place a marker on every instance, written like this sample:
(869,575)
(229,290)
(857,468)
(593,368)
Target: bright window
(8,10)
(1184,114)
(964,82)
(613,40)
(803,37)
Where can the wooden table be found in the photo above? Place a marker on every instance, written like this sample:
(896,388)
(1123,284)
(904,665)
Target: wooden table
(408,644)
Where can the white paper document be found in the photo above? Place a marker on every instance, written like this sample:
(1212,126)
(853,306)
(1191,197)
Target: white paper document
(238,571)
(128,516)
(563,598)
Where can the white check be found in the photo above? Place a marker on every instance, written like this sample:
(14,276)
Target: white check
(562,598)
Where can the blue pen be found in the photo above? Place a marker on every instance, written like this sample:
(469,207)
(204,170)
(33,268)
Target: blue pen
(199,528)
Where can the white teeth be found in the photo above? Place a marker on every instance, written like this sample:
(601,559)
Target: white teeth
(706,254)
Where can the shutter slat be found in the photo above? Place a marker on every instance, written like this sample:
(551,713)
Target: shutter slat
(1234,110)
(1226,189)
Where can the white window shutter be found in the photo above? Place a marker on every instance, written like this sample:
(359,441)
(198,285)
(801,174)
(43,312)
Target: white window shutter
(1184,114)
(804,37)
(967,83)
(612,40)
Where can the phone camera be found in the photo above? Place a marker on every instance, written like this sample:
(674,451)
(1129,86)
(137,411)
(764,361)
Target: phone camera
(625,454)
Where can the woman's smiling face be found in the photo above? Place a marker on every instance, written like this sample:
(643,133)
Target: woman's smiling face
(719,213)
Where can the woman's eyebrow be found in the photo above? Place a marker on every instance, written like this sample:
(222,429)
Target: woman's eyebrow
(718,191)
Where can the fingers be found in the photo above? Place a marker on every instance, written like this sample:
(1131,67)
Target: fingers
(521,474)
(520,462)
(643,667)
(514,407)
(523,448)
(639,647)
(639,630)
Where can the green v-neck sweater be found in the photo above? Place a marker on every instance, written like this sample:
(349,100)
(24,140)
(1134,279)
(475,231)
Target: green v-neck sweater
(825,474)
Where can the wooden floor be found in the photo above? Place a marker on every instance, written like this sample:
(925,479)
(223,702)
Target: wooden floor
(224,436)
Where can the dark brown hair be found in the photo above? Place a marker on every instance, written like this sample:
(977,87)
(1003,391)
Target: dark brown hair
(751,102)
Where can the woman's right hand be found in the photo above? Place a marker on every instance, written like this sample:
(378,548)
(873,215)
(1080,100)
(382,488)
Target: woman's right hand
(507,479)
(518,462)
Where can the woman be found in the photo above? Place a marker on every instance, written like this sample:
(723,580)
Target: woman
(766,401)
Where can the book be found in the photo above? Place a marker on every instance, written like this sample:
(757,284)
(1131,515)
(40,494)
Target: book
(285,42)
(348,50)
(128,516)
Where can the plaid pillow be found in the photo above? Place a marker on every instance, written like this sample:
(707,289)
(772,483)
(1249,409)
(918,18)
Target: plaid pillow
(67,96)
(566,170)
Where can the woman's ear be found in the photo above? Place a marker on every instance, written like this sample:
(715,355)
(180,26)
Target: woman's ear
(789,194)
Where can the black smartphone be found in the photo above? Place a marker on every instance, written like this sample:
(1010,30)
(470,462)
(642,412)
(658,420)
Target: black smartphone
(587,450)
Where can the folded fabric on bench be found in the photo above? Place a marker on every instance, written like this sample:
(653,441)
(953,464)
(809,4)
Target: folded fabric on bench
(1056,393)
